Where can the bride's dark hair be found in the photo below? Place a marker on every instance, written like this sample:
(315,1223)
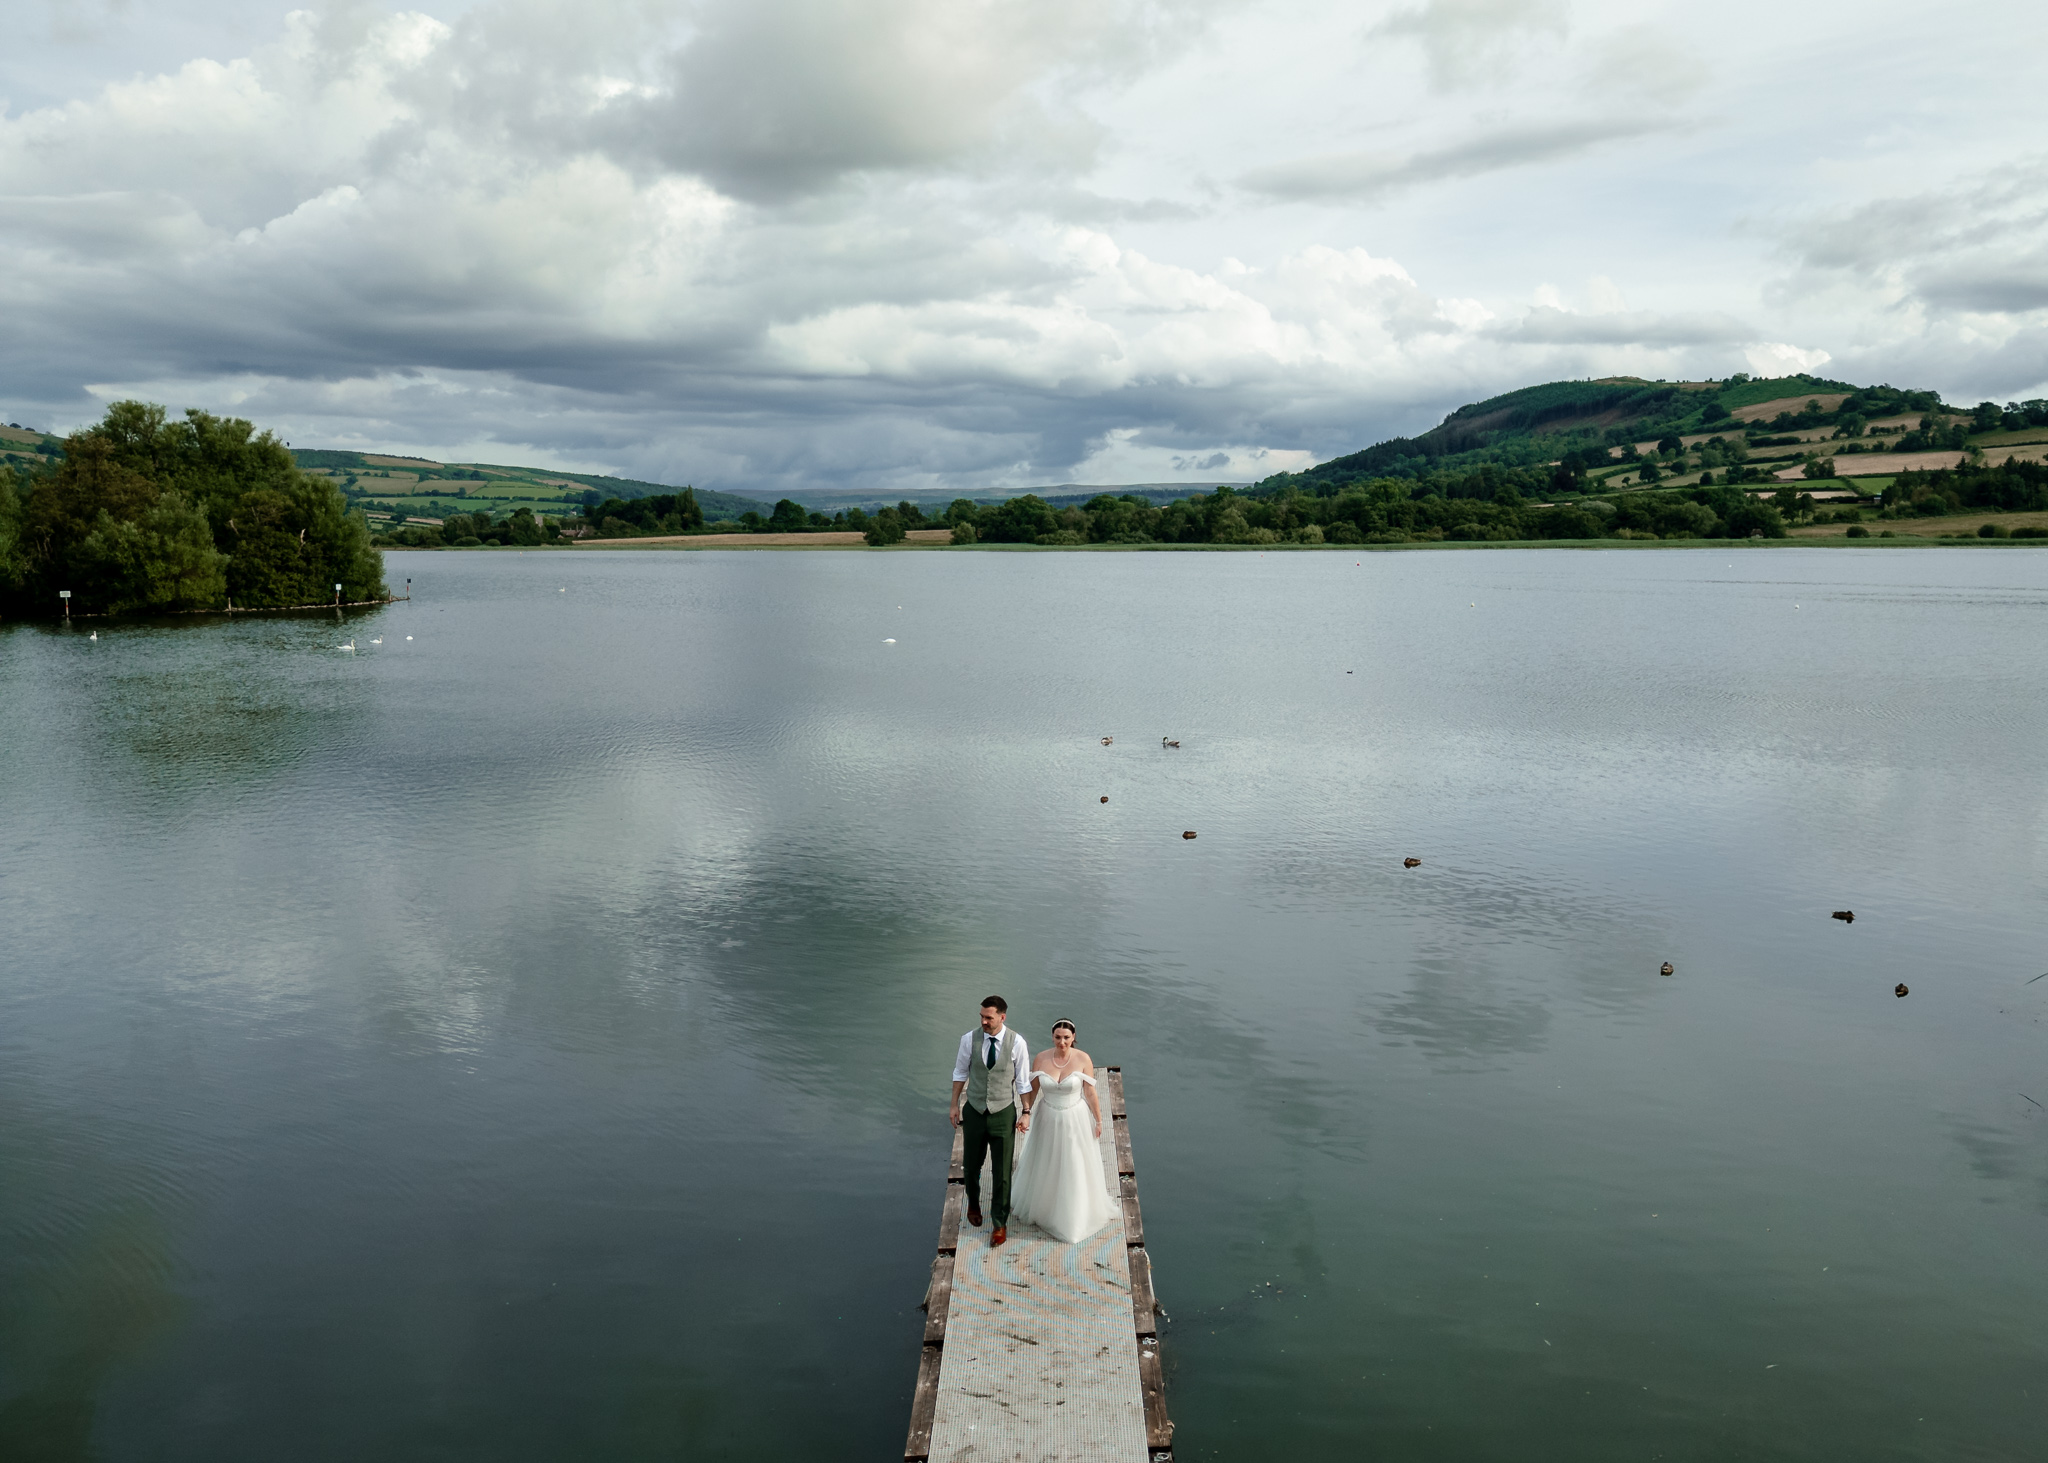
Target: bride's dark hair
(1063,1021)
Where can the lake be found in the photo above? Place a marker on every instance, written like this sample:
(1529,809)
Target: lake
(529,1037)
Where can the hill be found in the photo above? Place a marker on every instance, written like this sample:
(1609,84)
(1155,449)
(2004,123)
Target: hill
(419,486)
(1593,421)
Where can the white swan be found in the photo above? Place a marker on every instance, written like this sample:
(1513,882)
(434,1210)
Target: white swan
(349,647)
(94,636)
(378,641)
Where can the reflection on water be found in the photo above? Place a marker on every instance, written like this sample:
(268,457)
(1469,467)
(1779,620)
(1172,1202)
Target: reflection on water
(529,1040)
(86,1275)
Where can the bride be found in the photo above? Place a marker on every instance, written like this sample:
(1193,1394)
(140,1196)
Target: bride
(1059,1184)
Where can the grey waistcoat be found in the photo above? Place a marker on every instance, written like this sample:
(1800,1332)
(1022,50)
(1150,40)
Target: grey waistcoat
(991,1089)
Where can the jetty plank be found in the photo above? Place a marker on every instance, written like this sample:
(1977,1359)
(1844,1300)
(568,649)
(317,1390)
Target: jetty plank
(1144,1309)
(924,1403)
(957,1173)
(949,1218)
(938,1301)
(1123,1146)
(1158,1426)
(1134,1222)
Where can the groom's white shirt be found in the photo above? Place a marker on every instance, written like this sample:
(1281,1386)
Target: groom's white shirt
(974,1045)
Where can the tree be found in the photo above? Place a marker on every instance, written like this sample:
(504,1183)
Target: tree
(1017,520)
(887,528)
(13,563)
(788,517)
(115,539)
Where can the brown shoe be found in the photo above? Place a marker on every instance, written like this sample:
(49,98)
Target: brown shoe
(974,1217)
(1002,1233)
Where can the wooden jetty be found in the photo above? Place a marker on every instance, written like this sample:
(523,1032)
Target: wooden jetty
(1042,1352)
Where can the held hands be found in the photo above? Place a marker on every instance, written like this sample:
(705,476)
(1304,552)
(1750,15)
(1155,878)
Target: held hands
(1023,1120)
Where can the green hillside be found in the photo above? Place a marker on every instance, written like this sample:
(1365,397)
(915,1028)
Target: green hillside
(1587,423)
(420,487)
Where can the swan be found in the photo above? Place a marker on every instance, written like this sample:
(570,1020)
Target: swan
(348,647)
(378,641)
(94,636)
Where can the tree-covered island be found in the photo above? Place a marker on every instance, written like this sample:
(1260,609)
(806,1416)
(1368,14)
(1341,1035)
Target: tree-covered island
(144,514)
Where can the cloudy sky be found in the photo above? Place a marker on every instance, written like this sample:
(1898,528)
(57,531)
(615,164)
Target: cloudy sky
(919,245)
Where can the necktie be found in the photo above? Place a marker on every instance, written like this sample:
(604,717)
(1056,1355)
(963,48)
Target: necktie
(991,1053)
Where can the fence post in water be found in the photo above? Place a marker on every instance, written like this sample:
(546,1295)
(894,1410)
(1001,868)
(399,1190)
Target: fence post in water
(65,595)
(337,596)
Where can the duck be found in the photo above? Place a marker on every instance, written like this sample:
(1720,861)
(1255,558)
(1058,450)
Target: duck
(1900,990)
(1189,834)
(1665,968)
(1105,797)
(1846,916)
(1106,741)
(1168,742)
(1411,863)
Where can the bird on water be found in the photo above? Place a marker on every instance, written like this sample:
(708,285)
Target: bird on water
(1168,742)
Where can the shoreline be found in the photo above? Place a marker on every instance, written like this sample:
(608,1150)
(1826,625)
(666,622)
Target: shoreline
(751,543)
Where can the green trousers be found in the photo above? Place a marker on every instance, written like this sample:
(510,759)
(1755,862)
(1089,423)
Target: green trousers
(992,1135)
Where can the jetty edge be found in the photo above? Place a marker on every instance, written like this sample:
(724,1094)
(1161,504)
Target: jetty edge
(1147,1377)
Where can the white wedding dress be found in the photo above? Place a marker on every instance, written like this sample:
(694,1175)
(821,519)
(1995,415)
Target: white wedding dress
(1059,1183)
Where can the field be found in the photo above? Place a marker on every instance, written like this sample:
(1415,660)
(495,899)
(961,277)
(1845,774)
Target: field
(1965,523)
(1876,464)
(1763,411)
(830,540)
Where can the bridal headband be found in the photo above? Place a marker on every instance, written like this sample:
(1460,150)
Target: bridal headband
(1063,1021)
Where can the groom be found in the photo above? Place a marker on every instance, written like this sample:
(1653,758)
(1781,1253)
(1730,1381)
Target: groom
(993,1072)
